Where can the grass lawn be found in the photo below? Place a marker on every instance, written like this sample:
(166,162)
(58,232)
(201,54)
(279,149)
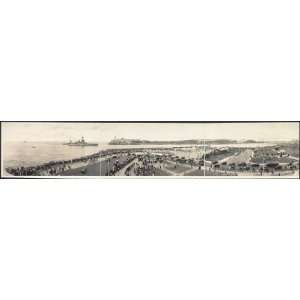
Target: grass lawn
(90,170)
(207,173)
(218,157)
(242,157)
(159,172)
(95,169)
(179,168)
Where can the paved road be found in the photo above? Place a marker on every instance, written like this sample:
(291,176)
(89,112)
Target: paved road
(123,170)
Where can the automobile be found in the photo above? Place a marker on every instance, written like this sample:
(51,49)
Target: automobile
(83,171)
(201,163)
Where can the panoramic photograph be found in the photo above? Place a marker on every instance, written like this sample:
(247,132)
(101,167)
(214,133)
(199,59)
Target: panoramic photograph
(194,149)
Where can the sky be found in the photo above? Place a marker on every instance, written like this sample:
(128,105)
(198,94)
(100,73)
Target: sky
(104,132)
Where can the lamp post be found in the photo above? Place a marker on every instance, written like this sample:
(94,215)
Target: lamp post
(204,155)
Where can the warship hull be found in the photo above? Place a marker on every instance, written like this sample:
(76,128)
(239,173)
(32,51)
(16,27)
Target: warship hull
(80,144)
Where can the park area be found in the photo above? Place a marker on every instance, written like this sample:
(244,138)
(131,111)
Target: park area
(227,161)
(176,167)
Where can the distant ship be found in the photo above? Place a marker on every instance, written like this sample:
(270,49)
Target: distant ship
(81,143)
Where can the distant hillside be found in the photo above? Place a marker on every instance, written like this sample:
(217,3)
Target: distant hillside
(221,141)
(123,141)
(250,142)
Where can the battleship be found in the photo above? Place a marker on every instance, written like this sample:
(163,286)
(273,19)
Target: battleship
(81,143)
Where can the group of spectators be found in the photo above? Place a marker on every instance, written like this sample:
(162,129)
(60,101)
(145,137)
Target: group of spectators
(55,168)
(117,163)
(48,169)
(145,167)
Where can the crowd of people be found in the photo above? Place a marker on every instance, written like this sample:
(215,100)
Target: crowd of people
(56,168)
(144,166)
(117,163)
(52,168)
